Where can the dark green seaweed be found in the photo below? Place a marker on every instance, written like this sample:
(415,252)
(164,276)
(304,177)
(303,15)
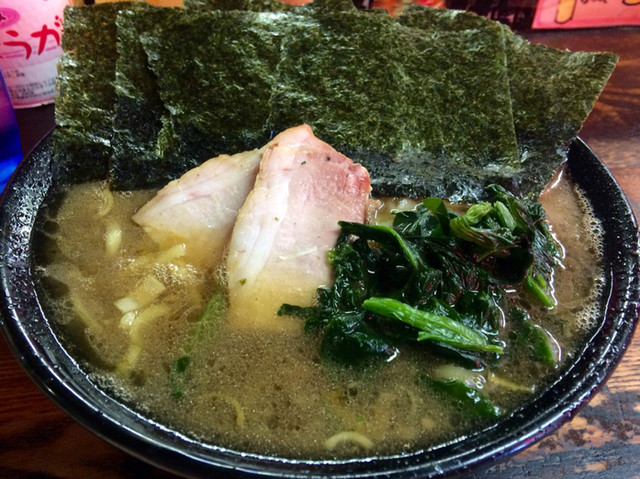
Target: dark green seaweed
(139,110)
(435,20)
(215,74)
(247,5)
(552,92)
(436,102)
(84,105)
(394,101)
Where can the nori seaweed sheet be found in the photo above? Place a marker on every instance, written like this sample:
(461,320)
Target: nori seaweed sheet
(339,75)
(84,105)
(141,116)
(222,67)
(237,47)
(269,5)
(412,122)
(426,115)
(552,92)
(330,6)
(246,5)
(139,110)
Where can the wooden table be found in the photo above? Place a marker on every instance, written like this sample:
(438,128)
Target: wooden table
(38,440)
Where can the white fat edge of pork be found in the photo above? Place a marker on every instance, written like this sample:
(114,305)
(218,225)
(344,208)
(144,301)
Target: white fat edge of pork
(278,249)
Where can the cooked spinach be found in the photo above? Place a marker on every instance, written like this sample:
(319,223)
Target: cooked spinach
(465,397)
(531,339)
(435,277)
(432,326)
(203,327)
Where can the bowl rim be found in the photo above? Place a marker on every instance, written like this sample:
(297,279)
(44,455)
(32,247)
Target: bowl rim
(59,376)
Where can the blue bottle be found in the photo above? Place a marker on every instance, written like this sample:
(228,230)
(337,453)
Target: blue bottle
(10,149)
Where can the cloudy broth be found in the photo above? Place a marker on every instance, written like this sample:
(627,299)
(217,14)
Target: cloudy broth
(268,391)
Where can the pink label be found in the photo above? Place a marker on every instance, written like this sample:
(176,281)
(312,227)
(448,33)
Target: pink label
(30,36)
(586,13)
(8,16)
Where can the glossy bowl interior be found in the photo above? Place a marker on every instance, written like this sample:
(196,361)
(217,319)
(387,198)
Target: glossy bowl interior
(45,359)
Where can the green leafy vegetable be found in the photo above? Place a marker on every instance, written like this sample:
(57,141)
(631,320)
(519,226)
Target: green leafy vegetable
(535,341)
(468,398)
(385,236)
(536,285)
(432,326)
(178,376)
(202,328)
(434,275)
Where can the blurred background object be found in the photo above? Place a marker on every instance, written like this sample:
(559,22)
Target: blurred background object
(166,3)
(582,14)
(10,149)
(159,3)
(30,35)
(521,15)
(518,14)
(525,15)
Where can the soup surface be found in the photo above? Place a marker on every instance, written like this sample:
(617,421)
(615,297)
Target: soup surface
(268,391)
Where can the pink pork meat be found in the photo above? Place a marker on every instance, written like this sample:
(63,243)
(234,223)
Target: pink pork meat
(278,248)
(199,209)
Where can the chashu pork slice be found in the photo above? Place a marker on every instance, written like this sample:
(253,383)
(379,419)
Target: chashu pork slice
(278,249)
(199,209)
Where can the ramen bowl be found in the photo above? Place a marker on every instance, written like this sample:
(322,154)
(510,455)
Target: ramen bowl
(33,340)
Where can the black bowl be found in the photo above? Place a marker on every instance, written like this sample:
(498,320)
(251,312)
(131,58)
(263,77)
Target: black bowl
(45,359)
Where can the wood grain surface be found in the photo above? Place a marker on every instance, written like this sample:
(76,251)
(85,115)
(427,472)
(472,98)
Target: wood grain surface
(602,441)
